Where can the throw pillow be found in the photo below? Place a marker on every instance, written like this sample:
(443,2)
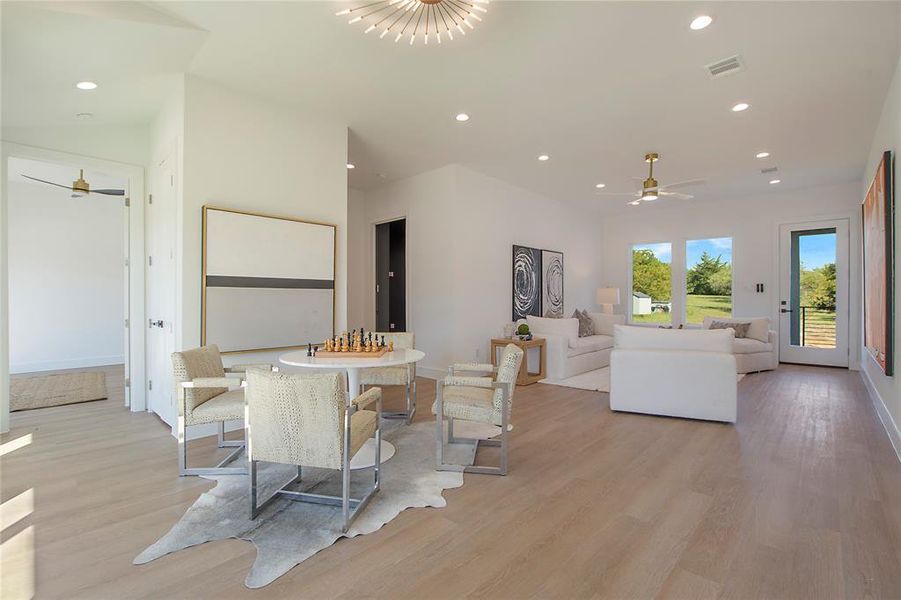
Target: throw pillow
(741,329)
(586,325)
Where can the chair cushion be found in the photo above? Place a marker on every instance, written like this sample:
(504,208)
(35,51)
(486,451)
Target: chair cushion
(224,407)
(750,345)
(568,328)
(469,404)
(385,376)
(362,427)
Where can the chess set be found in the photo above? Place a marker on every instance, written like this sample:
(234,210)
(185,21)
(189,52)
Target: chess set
(352,345)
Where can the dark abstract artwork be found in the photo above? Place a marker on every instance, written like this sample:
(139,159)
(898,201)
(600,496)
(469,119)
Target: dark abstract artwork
(526,282)
(552,283)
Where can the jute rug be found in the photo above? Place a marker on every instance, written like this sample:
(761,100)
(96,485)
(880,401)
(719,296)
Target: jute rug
(597,380)
(42,391)
(287,533)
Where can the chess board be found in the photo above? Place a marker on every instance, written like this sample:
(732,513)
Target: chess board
(380,352)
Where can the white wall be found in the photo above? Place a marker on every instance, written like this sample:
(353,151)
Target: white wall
(247,153)
(357,244)
(120,143)
(752,223)
(461,226)
(67,279)
(887,137)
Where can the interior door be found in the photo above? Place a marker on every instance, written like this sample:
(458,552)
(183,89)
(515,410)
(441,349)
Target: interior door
(813,304)
(382,283)
(161,278)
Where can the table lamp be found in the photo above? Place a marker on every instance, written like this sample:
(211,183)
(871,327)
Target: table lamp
(607,297)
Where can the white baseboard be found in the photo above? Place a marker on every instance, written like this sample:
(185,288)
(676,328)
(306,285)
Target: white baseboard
(66,363)
(430,372)
(891,428)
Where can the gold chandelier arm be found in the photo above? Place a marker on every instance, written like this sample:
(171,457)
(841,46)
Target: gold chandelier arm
(438,10)
(403,8)
(400,8)
(453,7)
(407,24)
(348,11)
(445,9)
(419,20)
(377,10)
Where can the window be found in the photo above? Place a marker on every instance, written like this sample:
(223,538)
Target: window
(708,279)
(652,277)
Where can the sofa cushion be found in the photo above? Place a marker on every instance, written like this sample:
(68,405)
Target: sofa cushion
(740,329)
(759,329)
(568,328)
(603,322)
(591,343)
(647,338)
(749,346)
(586,325)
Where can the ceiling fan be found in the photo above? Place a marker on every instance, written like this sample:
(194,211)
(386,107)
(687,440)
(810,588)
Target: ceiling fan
(79,187)
(651,190)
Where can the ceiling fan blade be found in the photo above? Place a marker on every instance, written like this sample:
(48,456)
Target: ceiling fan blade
(636,194)
(109,192)
(685,183)
(67,187)
(678,195)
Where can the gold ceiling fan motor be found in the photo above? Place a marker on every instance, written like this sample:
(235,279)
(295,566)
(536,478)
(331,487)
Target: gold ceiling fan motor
(649,186)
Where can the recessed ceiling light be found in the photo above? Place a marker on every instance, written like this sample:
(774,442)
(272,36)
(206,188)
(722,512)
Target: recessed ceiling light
(86,85)
(462,117)
(762,154)
(543,157)
(775,181)
(84,116)
(635,203)
(351,166)
(600,185)
(741,106)
(701,22)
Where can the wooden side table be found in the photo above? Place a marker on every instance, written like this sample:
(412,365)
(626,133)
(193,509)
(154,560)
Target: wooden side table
(526,377)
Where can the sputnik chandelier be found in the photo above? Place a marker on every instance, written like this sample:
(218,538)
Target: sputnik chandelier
(425,18)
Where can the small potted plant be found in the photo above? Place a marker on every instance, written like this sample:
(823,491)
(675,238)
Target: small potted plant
(523,333)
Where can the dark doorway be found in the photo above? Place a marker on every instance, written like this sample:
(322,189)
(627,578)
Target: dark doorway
(391,276)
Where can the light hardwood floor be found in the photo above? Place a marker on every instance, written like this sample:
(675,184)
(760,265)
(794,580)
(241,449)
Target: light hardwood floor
(801,499)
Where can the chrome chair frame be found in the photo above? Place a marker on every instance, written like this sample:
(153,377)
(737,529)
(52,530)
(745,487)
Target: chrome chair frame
(506,392)
(344,500)
(221,442)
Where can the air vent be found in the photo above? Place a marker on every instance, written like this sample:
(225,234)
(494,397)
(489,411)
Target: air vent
(727,66)
(769,170)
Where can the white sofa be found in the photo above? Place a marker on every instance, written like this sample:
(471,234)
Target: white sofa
(673,372)
(567,353)
(759,351)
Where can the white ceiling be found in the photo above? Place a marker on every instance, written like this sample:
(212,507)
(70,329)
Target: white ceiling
(595,85)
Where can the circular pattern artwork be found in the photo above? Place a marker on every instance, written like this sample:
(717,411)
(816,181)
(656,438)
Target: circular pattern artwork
(553,283)
(526,282)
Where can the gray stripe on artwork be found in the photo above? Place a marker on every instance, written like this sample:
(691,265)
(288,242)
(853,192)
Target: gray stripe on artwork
(269,282)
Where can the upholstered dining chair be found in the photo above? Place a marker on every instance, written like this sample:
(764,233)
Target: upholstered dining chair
(306,420)
(481,399)
(207,392)
(404,375)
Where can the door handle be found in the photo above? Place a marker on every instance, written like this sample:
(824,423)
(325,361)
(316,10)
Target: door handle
(785,310)
(153,323)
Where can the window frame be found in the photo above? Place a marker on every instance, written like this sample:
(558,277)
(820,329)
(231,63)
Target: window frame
(684,282)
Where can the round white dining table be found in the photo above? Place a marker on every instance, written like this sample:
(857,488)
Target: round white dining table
(365,457)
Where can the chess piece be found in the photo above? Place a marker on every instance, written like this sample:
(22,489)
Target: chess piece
(390,346)
(310,349)
(382,345)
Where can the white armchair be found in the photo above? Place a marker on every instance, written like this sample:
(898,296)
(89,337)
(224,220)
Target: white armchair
(207,392)
(676,373)
(404,375)
(482,399)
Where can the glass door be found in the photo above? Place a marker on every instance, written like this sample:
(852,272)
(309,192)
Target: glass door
(813,305)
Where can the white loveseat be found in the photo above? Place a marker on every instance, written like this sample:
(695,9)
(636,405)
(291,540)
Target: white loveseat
(759,350)
(674,372)
(567,353)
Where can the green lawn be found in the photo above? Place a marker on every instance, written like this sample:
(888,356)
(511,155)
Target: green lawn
(698,307)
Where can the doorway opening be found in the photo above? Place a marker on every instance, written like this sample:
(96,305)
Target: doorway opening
(68,284)
(814,303)
(391,276)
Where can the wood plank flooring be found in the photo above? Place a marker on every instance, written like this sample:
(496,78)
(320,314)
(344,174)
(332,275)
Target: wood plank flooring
(801,499)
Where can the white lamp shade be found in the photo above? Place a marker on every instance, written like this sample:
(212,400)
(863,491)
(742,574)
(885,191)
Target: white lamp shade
(608,295)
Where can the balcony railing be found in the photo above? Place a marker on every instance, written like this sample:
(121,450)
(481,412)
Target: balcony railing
(817,327)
